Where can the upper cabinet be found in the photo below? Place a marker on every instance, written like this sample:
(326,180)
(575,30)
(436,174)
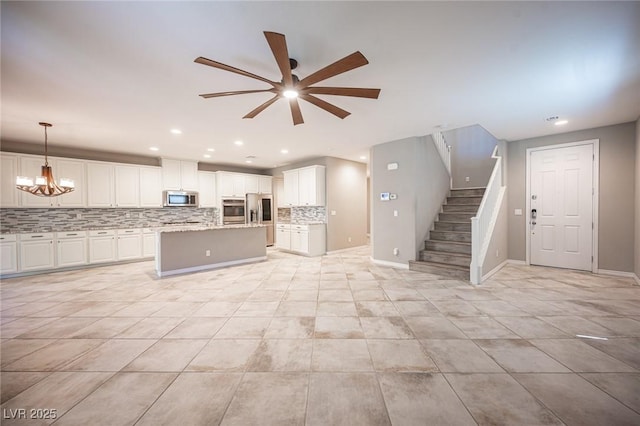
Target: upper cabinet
(100,184)
(265,184)
(8,172)
(207,189)
(150,187)
(31,166)
(304,186)
(127,186)
(251,184)
(179,174)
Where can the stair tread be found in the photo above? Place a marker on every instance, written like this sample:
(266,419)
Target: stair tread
(441,265)
(452,242)
(446,253)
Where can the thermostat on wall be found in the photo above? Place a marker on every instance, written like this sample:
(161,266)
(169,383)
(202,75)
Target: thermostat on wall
(392,166)
(393,196)
(384,196)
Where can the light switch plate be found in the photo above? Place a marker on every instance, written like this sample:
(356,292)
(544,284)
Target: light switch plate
(517,212)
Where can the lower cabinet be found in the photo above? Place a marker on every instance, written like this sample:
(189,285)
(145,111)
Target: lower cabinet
(71,248)
(8,254)
(148,243)
(309,240)
(36,252)
(283,236)
(129,244)
(102,246)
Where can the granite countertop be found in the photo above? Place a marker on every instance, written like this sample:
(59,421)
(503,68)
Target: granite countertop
(159,228)
(204,227)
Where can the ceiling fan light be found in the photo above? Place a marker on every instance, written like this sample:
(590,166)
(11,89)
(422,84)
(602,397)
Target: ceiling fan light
(290,94)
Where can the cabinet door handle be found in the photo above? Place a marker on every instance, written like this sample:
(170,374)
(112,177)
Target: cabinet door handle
(37,236)
(71,235)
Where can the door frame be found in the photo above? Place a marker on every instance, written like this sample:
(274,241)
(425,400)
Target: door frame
(596,197)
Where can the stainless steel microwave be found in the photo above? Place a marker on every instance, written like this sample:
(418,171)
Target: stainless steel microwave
(180,198)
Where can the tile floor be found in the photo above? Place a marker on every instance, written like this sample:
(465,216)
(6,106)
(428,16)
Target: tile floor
(319,341)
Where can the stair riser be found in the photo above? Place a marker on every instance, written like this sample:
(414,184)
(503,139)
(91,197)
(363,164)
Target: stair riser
(467,192)
(455,217)
(461,237)
(436,270)
(452,226)
(464,200)
(440,257)
(448,247)
(452,208)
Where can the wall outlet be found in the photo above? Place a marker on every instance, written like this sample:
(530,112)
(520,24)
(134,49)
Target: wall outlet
(207,253)
(78,215)
(141,215)
(396,251)
(333,212)
(498,253)
(349,239)
(395,213)
(466,179)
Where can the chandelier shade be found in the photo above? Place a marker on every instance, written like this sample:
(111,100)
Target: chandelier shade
(45,185)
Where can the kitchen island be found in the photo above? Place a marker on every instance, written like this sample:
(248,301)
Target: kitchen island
(186,249)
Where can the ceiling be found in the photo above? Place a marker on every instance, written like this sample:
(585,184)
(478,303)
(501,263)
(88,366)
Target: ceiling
(118,76)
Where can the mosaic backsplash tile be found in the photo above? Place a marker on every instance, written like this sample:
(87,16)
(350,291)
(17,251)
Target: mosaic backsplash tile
(58,220)
(302,214)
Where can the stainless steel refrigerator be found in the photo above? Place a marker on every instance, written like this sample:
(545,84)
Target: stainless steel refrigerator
(259,210)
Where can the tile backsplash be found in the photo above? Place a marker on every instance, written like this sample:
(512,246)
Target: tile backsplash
(302,214)
(55,220)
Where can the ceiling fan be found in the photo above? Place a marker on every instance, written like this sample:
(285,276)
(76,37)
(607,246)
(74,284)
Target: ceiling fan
(291,87)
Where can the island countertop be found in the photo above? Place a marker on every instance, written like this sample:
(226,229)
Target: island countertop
(184,249)
(204,227)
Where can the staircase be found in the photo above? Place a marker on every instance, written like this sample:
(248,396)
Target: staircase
(448,250)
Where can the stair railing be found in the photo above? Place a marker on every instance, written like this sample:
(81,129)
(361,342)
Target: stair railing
(443,149)
(482,223)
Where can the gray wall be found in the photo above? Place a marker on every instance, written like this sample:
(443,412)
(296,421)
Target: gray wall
(498,246)
(637,248)
(471,149)
(346,185)
(616,183)
(347,197)
(421,184)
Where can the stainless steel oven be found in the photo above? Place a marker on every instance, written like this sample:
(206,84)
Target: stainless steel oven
(233,211)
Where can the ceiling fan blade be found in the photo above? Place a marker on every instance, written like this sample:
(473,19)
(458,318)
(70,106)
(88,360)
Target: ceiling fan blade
(219,65)
(345,64)
(278,45)
(261,107)
(344,91)
(296,114)
(338,112)
(237,92)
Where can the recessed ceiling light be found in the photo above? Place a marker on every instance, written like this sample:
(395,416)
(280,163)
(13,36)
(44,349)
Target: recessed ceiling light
(363,157)
(248,161)
(239,142)
(206,156)
(154,148)
(176,131)
(284,151)
(561,122)
(210,149)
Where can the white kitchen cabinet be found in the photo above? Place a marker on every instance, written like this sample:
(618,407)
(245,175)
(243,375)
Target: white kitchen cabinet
(311,186)
(265,184)
(290,188)
(102,246)
(71,248)
(230,184)
(305,186)
(278,190)
(8,254)
(129,244)
(148,243)
(179,174)
(207,189)
(31,166)
(9,195)
(251,184)
(100,185)
(127,186)
(36,251)
(283,236)
(150,187)
(309,240)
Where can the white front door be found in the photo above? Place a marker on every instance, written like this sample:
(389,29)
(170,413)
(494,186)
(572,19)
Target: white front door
(561,206)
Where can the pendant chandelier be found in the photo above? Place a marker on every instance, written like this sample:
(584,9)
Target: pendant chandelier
(44,185)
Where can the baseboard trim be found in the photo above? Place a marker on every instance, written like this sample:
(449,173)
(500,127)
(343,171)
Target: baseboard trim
(516,262)
(391,264)
(493,271)
(617,273)
(163,274)
(346,249)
